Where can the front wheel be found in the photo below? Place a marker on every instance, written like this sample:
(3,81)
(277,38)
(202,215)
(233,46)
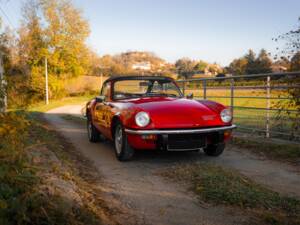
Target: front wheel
(214,149)
(122,149)
(93,134)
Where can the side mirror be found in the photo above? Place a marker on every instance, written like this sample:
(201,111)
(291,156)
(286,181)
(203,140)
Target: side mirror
(100,99)
(190,96)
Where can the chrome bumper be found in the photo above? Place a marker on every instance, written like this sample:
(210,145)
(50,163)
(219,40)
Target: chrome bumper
(183,131)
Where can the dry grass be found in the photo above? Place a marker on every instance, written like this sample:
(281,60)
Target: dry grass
(272,149)
(216,185)
(84,84)
(45,181)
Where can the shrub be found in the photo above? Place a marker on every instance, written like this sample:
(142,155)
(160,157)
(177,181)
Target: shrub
(16,177)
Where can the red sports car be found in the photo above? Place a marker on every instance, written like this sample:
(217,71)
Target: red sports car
(150,112)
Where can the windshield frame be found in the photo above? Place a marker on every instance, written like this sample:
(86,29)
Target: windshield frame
(152,79)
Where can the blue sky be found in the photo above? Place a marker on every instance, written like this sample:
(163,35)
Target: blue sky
(211,30)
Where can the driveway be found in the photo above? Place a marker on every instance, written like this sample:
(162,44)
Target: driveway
(150,199)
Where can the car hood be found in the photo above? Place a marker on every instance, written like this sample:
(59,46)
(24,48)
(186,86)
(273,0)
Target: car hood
(171,113)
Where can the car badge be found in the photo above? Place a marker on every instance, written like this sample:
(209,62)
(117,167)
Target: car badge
(209,117)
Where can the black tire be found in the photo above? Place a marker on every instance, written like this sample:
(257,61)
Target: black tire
(214,149)
(93,134)
(122,149)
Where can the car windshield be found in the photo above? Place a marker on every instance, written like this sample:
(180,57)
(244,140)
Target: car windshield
(125,89)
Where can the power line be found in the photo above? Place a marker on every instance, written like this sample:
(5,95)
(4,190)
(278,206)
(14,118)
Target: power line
(6,16)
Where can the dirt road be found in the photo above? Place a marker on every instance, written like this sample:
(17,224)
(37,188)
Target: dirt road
(151,200)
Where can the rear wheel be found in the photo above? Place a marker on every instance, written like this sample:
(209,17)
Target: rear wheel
(214,149)
(122,149)
(93,134)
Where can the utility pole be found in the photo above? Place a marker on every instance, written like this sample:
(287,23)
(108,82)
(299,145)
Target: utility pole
(101,79)
(3,97)
(46,78)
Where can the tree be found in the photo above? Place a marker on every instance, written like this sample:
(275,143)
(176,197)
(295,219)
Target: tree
(291,50)
(250,64)
(238,66)
(295,62)
(185,67)
(31,49)
(251,67)
(291,43)
(2,80)
(263,62)
(200,66)
(214,69)
(11,69)
(56,30)
(66,32)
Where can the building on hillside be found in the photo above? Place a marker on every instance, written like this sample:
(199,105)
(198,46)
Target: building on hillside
(278,68)
(212,69)
(141,66)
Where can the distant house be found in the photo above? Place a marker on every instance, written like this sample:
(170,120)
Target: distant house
(141,66)
(278,68)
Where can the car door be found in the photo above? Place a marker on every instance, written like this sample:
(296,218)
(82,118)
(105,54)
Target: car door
(102,111)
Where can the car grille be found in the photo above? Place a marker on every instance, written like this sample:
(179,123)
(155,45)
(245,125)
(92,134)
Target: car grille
(185,141)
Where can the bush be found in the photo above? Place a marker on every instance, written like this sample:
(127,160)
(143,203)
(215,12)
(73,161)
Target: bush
(292,103)
(16,177)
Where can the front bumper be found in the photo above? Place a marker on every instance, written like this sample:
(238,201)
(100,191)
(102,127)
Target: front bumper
(181,131)
(178,140)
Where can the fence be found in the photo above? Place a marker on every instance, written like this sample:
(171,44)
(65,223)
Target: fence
(260,103)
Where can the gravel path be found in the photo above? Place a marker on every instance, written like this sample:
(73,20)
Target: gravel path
(152,200)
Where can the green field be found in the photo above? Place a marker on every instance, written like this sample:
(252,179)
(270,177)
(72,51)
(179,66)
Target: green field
(250,119)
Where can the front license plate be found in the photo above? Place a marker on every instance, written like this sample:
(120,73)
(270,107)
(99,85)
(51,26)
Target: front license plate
(185,142)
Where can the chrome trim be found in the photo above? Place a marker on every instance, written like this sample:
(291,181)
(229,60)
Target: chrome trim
(183,131)
(183,149)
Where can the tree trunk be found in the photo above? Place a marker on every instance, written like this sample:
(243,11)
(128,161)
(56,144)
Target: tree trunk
(3,98)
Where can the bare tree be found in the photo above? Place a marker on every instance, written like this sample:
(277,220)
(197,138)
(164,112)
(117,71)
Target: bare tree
(291,50)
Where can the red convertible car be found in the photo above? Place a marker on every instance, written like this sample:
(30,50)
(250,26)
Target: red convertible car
(150,112)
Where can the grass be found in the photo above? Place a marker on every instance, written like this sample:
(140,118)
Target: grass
(218,95)
(80,171)
(216,185)
(17,177)
(42,107)
(272,149)
(22,201)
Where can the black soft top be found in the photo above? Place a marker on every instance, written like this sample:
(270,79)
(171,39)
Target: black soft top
(132,77)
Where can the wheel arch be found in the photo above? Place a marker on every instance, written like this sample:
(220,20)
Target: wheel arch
(88,110)
(88,113)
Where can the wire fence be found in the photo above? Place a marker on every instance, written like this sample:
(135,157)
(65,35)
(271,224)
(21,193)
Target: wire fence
(259,103)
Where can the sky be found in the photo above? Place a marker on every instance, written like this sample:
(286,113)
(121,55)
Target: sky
(211,30)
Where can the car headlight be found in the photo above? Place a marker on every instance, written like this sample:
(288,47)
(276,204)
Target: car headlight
(226,115)
(142,119)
